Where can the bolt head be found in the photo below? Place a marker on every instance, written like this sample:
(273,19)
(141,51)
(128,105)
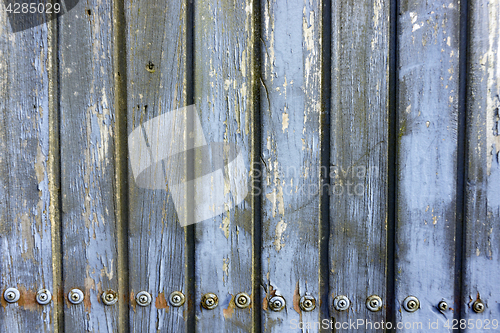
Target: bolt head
(11,295)
(277,303)
(443,306)
(478,306)
(176,299)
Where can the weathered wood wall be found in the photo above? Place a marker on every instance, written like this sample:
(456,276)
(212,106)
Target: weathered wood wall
(370,130)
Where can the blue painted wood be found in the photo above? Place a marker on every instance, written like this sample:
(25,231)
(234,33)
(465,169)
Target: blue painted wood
(224,97)
(428,59)
(25,226)
(156,83)
(482,223)
(359,159)
(290,111)
(87,139)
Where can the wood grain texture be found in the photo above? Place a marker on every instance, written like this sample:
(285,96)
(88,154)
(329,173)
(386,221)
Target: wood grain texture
(224,99)
(156,81)
(87,164)
(428,58)
(482,229)
(359,157)
(25,235)
(290,111)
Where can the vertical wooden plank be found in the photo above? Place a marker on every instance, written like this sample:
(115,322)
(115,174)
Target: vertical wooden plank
(359,160)
(87,125)
(482,230)
(291,106)
(25,227)
(156,81)
(224,99)
(428,59)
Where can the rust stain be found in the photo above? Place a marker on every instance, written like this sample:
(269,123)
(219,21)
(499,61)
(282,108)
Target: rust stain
(269,294)
(132,300)
(296,299)
(27,299)
(228,313)
(161,302)
(89,285)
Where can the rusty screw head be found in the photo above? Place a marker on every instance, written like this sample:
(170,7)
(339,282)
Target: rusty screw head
(11,295)
(242,300)
(209,301)
(43,296)
(411,304)
(75,296)
(143,298)
(177,298)
(478,306)
(307,303)
(109,297)
(277,303)
(341,303)
(443,306)
(374,303)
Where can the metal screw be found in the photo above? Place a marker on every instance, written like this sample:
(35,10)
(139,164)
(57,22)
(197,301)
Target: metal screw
(75,296)
(478,306)
(242,300)
(11,295)
(307,303)
(341,303)
(209,301)
(411,304)
(109,297)
(277,303)
(443,306)
(143,298)
(177,298)
(43,296)
(374,303)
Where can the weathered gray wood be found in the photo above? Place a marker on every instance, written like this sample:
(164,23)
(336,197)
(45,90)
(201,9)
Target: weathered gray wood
(428,41)
(25,228)
(290,111)
(224,98)
(87,137)
(359,158)
(156,81)
(482,230)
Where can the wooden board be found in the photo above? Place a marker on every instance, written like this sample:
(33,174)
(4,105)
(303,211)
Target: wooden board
(87,139)
(359,159)
(427,108)
(223,94)
(25,226)
(482,228)
(156,84)
(290,115)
